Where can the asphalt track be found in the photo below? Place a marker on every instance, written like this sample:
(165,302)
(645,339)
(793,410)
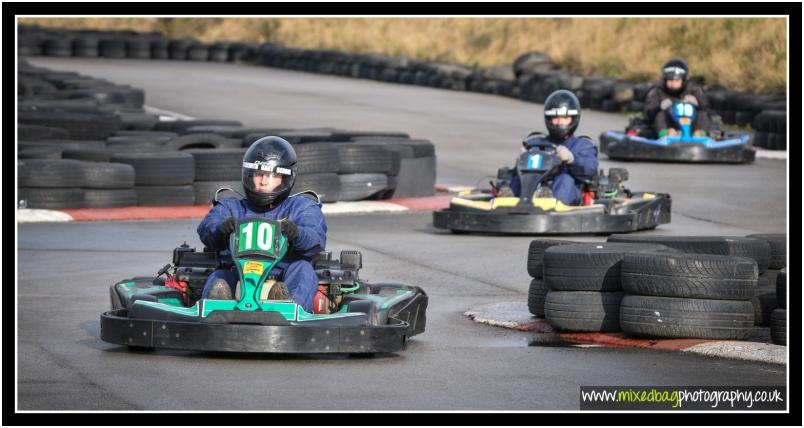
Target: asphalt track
(64,270)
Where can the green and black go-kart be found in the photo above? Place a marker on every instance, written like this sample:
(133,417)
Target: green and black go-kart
(607,206)
(169,313)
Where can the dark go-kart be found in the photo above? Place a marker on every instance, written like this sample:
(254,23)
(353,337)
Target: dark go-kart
(168,312)
(641,142)
(607,206)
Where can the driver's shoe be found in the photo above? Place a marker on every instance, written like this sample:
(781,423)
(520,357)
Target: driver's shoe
(220,290)
(672,132)
(699,133)
(274,290)
(505,192)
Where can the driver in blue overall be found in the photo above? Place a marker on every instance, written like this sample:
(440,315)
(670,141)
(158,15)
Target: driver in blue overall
(562,114)
(675,87)
(269,171)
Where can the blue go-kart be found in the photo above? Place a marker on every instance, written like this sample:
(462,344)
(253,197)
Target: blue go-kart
(640,141)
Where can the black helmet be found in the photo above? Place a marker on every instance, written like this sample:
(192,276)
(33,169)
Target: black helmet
(269,155)
(562,103)
(675,69)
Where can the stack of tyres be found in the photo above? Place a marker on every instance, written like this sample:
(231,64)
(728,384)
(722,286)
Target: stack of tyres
(538,290)
(703,292)
(584,284)
(774,294)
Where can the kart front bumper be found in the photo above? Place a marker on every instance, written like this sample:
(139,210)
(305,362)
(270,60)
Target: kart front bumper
(621,147)
(645,216)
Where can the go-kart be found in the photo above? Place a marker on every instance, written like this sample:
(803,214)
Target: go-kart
(168,312)
(607,206)
(640,141)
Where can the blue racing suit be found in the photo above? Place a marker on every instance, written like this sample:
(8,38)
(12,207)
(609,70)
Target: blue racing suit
(566,185)
(295,268)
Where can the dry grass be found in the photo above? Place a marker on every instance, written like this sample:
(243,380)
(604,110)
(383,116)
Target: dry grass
(738,53)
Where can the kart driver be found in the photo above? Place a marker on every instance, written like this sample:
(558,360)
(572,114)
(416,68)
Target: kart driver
(675,87)
(562,114)
(269,171)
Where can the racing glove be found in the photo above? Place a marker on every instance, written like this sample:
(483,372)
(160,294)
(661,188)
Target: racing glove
(228,226)
(666,104)
(564,154)
(691,99)
(289,229)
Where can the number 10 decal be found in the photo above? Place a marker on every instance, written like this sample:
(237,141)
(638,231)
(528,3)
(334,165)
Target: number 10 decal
(262,240)
(683,110)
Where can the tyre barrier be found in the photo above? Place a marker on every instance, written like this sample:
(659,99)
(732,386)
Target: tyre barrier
(531,77)
(92,128)
(778,326)
(535,266)
(705,287)
(757,249)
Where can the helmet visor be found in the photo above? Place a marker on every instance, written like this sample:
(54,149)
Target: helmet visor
(267,176)
(674,73)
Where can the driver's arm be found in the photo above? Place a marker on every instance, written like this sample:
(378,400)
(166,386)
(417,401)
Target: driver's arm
(585,164)
(651,107)
(703,100)
(208,228)
(312,237)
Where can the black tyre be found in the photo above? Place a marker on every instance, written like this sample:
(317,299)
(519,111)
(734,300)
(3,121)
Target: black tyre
(781,288)
(356,187)
(536,254)
(50,198)
(420,148)
(160,169)
(363,159)
(112,48)
(701,276)
(589,267)
(346,135)
(778,247)
(672,317)
(39,153)
(536,295)
(764,302)
(54,173)
(165,195)
(317,158)
(202,141)
(198,53)
(583,310)
(80,126)
(38,132)
(138,48)
(326,185)
(218,164)
(756,249)
(92,155)
(180,126)
(778,326)
(205,190)
(102,175)
(104,198)
(58,46)
(223,131)
(125,140)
